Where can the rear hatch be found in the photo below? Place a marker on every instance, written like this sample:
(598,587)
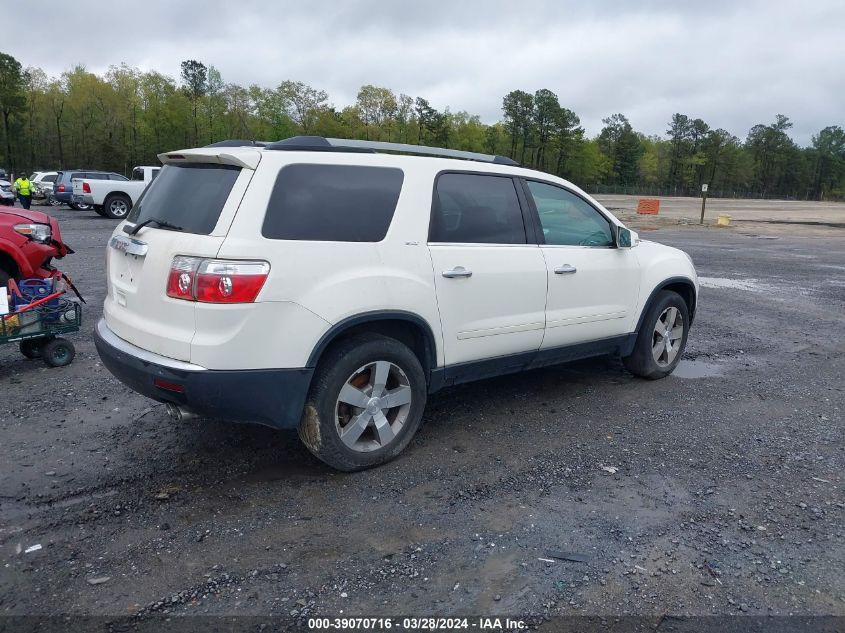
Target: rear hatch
(188,210)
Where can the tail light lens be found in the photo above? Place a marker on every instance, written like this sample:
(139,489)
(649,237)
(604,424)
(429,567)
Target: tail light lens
(86,188)
(180,281)
(216,280)
(61,188)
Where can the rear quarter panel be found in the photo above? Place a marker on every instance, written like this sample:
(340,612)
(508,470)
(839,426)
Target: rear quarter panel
(332,281)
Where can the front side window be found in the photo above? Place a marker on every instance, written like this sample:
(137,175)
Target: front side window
(332,203)
(476,209)
(568,219)
(137,174)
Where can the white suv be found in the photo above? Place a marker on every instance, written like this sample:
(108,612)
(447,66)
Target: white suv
(326,285)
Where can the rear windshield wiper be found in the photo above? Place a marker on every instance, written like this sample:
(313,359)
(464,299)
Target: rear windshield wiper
(162,223)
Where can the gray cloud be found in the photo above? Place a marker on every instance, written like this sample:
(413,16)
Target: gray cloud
(732,64)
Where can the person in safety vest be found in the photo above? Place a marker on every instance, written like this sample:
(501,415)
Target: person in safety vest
(24,188)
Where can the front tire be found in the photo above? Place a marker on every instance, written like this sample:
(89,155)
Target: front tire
(117,206)
(662,338)
(365,403)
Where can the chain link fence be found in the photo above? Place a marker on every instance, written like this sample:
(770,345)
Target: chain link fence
(653,191)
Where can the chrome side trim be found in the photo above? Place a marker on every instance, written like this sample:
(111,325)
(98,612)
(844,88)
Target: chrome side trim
(105,333)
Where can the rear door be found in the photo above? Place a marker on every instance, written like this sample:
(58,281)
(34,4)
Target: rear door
(490,281)
(200,199)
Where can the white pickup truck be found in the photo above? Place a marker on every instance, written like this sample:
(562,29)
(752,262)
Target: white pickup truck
(114,199)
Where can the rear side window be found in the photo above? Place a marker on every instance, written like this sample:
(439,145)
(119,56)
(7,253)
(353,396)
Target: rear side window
(189,196)
(476,209)
(49,178)
(96,176)
(332,203)
(117,177)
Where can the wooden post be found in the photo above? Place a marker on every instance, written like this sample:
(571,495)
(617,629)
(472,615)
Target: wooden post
(703,201)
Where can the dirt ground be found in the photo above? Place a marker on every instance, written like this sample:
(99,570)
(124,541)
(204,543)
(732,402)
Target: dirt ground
(571,491)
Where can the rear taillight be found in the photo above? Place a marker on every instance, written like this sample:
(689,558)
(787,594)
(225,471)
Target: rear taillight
(61,188)
(216,280)
(180,281)
(86,188)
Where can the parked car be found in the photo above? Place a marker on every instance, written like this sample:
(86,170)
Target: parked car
(43,181)
(316,284)
(113,199)
(7,193)
(63,188)
(29,241)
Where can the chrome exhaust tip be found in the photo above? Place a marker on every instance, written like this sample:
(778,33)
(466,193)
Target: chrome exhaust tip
(179,414)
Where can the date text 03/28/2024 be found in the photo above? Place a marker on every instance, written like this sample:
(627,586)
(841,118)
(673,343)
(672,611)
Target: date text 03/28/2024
(415,624)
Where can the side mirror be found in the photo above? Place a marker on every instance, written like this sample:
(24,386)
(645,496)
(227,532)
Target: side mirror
(626,238)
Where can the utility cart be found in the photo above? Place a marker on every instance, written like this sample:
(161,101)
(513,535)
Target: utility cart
(37,324)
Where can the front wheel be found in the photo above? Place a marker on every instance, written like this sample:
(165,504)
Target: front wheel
(662,338)
(365,403)
(117,206)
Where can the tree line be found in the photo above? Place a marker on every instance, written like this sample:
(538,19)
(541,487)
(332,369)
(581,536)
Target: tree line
(126,117)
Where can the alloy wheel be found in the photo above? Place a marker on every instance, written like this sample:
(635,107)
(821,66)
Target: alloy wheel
(667,336)
(373,406)
(118,208)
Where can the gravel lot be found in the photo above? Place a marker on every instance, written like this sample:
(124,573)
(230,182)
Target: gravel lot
(715,492)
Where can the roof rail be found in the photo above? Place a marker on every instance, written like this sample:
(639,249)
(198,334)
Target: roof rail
(319,143)
(239,143)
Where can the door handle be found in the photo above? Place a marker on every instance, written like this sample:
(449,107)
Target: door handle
(566,269)
(457,271)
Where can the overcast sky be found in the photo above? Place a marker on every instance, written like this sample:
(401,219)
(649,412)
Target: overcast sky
(732,63)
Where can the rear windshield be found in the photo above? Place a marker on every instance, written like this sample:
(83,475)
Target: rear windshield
(190,196)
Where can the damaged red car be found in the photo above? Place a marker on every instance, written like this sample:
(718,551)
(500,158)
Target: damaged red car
(29,241)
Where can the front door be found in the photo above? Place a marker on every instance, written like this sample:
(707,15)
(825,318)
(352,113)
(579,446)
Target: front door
(593,285)
(490,282)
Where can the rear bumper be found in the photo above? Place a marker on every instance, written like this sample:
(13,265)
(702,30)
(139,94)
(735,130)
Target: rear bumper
(273,397)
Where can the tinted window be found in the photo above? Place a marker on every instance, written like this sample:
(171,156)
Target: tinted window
(78,174)
(96,176)
(472,209)
(49,178)
(116,177)
(332,203)
(190,196)
(137,174)
(568,219)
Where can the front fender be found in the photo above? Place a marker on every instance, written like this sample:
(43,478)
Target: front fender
(661,267)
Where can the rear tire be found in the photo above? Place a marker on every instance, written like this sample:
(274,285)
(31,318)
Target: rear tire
(117,206)
(99,210)
(58,353)
(365,403)
(662,338)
